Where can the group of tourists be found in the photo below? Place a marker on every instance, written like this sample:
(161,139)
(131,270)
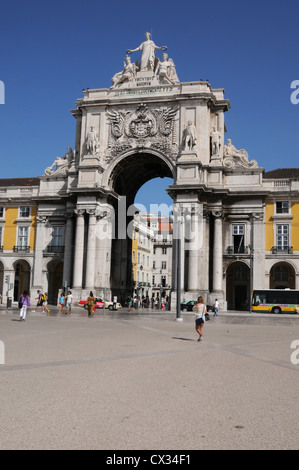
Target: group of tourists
(42,299)
(65,300)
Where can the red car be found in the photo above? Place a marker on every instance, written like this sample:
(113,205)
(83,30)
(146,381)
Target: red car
(98,304)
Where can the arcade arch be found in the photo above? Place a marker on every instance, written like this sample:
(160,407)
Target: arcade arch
(55,281)
(282,275)
(22,278)
(237,286)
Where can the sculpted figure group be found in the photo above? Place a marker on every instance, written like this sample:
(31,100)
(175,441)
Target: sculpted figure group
(164,70)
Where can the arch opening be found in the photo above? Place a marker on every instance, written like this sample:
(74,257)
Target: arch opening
(126,179)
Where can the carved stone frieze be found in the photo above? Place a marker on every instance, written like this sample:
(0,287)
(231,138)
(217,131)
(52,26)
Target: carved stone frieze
(142,128)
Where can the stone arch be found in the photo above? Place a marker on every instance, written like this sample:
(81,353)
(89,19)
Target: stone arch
(22,277)
(54,276)
(238,285)
(124,178)
(137,167)
(282,275)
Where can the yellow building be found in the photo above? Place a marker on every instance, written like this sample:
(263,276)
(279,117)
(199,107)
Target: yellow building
(17,235)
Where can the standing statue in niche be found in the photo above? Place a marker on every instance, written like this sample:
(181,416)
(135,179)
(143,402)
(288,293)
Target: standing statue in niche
(215,142)
(148,49)
(127,75)
(92,141)
(166,70)
(189,136)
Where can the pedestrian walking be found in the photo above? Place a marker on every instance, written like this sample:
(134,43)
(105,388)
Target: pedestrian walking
(200,310)
(69,301)
(24,302)
(90,304)
(129,302)
(39,301)
(61,302)
(45,301)
(216,308)
(41,298)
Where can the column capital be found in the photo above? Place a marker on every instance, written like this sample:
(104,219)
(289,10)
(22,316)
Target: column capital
(41,219)
(79,212)
(218,214)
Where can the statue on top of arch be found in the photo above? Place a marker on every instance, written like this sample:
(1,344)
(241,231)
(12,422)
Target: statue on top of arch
(164,70)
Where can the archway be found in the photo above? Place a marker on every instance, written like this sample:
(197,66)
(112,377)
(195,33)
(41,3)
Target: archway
(237,286)
(22,278)
(126,178)
(55,272)
(282,275)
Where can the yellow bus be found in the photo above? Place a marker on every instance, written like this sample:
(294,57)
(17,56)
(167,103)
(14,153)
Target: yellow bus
(275,300)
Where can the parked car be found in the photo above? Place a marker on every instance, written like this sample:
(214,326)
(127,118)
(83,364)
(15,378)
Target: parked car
(100,304)
(189,304)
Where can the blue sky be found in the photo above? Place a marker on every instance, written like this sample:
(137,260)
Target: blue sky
(50,51)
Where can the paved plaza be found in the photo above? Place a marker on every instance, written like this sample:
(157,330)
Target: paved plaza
(141,381)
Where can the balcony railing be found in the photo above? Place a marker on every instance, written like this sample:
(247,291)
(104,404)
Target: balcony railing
(21,249)
(54,249)
(241,250)
(276,250)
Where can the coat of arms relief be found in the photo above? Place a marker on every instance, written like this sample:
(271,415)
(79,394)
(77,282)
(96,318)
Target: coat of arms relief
(143,128)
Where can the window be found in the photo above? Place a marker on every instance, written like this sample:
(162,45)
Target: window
(154,264)
(24,211)
(23,237)
(133,256)
(163,281)
(57,236)
(164,250)
(282,236)
(238,238)
(1,231)
(163,265)
(1,211)
(282,207)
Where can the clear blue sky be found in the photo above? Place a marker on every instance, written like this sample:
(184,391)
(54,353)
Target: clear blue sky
(51,50)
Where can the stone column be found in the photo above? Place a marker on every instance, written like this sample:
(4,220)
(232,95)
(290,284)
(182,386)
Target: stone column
(104,235)
(194,244)
(38,252)
(217,252)
(67,261)
(91,250)
(79,249)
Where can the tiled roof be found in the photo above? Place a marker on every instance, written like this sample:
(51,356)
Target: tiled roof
(282,173)
(19,182)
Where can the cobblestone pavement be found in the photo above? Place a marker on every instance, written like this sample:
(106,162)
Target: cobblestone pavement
(142,381)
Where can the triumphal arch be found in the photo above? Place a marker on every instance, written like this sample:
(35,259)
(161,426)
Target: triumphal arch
(148,124)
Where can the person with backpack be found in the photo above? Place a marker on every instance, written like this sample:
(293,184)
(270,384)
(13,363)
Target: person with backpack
(24,302)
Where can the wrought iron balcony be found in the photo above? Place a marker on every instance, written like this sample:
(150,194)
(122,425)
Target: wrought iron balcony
(54,249)
(21,249)
(238,250)
(276,250)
